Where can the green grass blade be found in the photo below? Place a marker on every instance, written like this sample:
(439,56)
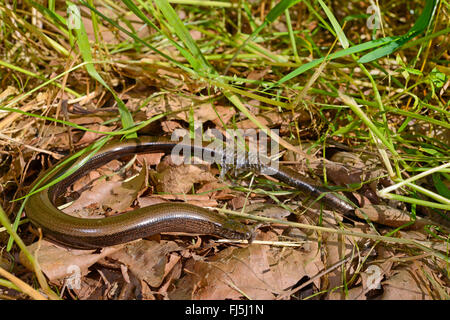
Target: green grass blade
(136,38)
(85,49)
(279,9)
(419,26)
(273,14)
(390,44)
(336,26)
(440,186)
(200,63)
(339,54)
(130,4)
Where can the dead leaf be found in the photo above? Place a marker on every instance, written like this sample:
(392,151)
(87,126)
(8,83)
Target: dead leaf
(216,190)
(87,120)
(180,179)
(403,285)
(255,272)
(59,262)
(149,159)
(337,248)
(384,215)
(172,272)
(146,259)
(258,74)
(273,118)
(115,195)
(90,137)
(238,202)
(267,210)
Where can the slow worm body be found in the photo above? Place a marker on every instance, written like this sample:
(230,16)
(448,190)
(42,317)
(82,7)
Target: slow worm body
(83,233)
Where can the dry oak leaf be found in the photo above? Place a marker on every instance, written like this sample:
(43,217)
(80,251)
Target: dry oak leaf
(404,285)
(115,195)
(254,272)
(59,262)
(180,179)
(146,259)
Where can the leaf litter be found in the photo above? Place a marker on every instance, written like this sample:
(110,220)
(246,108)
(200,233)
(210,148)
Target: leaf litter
(171,268)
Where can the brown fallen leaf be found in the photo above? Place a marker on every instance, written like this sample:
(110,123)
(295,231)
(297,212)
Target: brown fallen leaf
(146,259)
(392,217)
(204,112)
(238,202)
(404,285)
(254,272)
(337,248)
(114,195)
(59,263)
(216,190)
(88,289)
(149,159)
(179,179)
(267,210)
(90,137)
(372,277)
(384,215)
(355,293)
(221,277)
(172,272)
(86,120)
(258,74)
(273,118)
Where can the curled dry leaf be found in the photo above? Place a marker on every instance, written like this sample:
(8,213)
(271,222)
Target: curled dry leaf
(173,272)
(395,218)
(372,277)
(258,74)
(202,111)
(149,159)
(384,215)
(87,120)
(238,202)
